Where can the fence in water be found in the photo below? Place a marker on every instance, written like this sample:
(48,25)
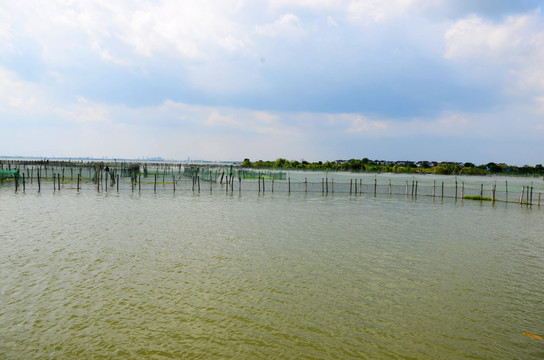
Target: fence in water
(144,177)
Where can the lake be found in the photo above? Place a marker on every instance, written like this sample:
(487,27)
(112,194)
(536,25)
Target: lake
(268,276)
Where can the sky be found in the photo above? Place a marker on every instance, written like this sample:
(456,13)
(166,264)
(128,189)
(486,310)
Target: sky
(437,80)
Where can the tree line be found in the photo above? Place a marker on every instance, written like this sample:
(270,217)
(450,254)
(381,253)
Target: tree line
(424,167)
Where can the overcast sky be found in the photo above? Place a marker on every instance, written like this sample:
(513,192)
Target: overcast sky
(444,80)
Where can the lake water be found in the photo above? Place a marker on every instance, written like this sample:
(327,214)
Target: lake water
(274,276)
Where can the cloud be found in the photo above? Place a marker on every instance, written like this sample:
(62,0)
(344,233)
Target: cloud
(367,127)
(515,47)
(368,11)
(287,25)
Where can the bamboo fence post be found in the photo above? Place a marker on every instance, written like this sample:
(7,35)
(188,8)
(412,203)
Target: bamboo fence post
(375,185)
(16,182)
(272,184)
(240,185)
(306,185)
(24,182)
(456,188)
(54,183)
(360,186)
(117,183)
(506,190)
(289,184)
(434,186)
(198,183)
(442,190)
(173,182)
(521,196)
(406,191)
(538,199)
(389,187)
(77,186)
(416,188)
(355,183)
(332,185)
(327,185)
(39,184)
(263,185)
(139,183)
(350,184)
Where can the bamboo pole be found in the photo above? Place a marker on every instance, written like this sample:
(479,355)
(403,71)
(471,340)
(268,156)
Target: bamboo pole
(521,196)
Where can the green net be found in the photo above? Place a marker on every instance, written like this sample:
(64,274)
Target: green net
(9,174)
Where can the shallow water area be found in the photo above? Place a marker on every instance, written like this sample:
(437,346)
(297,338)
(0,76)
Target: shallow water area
(200,275)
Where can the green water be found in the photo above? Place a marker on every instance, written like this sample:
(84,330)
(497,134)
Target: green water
(300,276)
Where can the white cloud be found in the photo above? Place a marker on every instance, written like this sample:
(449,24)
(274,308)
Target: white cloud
(6,42)
(514,47)
(376,11)
(21,96)
(216,119)
(365,126)
(287,25)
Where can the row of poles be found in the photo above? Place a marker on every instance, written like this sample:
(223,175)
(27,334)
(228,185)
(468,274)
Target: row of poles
(355,187)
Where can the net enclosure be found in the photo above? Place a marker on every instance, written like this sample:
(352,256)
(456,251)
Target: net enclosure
(9,174)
